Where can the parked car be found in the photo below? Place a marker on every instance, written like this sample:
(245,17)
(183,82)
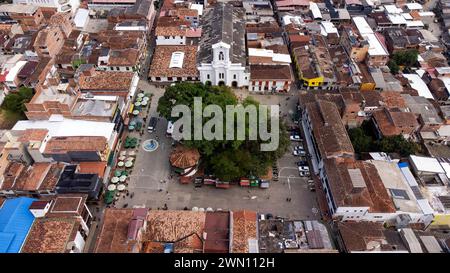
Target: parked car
(299,152)
(152,124)
(303,173)
(295,137)
(303,168)
(198,182)
(299,147)
(302,163)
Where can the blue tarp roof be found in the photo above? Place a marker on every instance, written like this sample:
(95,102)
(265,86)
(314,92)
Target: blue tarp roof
(403,164)
(15,223)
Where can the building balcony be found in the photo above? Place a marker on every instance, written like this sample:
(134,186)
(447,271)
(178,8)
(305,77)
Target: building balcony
(63,2)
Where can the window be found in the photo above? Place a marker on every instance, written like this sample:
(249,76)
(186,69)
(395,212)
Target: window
(221,75)
(169,78)
(221,57)
(207,76)
(128,69)
(234,76)
(158,78)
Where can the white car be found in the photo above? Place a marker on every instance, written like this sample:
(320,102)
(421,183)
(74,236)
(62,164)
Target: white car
(299,152)
(299,147)
(303,168)
(303,173)
(295,138)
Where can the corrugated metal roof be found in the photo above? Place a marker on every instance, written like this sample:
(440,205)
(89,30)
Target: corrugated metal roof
(431,244)
(15,222)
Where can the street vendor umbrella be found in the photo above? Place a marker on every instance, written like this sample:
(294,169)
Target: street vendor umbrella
(136,112)
(144,103)
(140,95)
(120,164)
(121,187)
(130,159)
(132,153)
(130,127)
(132,123)
(137,103)
(122,158)
(115,179)
(124,172)
(111,187)
(123,178)
(123,152)
(117,173)
(128,164)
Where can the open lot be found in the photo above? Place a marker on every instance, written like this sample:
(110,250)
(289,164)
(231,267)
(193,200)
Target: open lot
(151,186)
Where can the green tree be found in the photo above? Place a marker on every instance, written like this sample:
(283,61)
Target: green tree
(361,142)
(15,102)
(397,144)
(406,58)
(227,159)
(393,66)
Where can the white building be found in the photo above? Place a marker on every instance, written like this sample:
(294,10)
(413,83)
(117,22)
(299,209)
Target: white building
(221,58)
(60,5)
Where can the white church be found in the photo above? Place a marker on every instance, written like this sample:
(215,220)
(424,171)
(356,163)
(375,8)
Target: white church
(221,58)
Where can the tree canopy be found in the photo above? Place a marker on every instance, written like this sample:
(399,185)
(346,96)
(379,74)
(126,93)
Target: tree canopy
(227,159)
(363,142)
(405,58)
(15,102)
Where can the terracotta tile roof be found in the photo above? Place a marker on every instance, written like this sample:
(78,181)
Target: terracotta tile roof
(125,57)
(59,145)
(33,135)
(183,157)
(52,177)
(173,226)
(217,229)
(11,173)
(171,21)
(186,12)
(120,39)
(113,232)
(342,183)
(32,177)
(271,72)
(393,99)
(329,131)
(68,203)
(93,167)
(394,122)
(280,49)
(372,98)
(50,235)
(161,62)
(244,228)
(106,80)
(366,236)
